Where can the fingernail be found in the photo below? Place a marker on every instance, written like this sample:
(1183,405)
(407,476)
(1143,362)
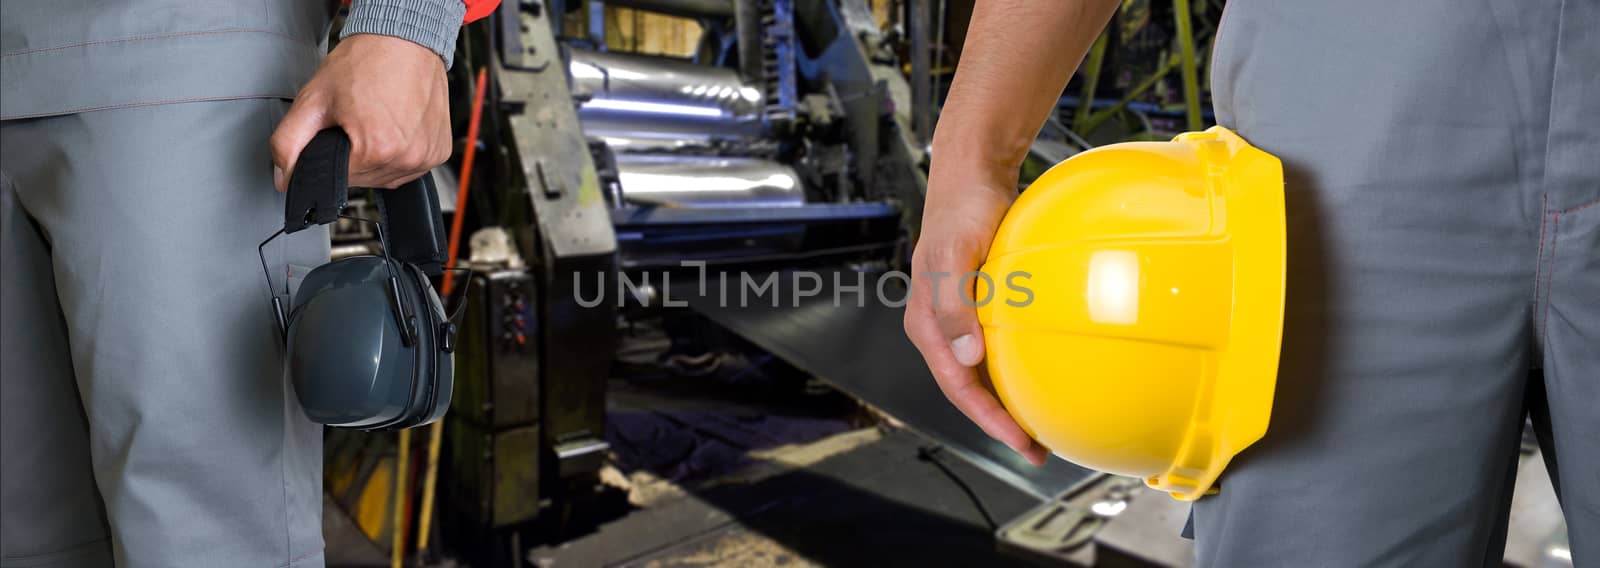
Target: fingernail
(967,351)
(1039,452)
(277,178)
(1027,452)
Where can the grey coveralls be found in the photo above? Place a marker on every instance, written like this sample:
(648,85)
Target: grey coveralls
(144,417)
(1442,162)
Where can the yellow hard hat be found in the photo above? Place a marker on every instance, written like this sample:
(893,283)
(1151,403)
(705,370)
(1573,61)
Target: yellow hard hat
(1135,306)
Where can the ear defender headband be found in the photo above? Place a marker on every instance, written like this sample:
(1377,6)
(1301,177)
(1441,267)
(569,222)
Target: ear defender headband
(367,341)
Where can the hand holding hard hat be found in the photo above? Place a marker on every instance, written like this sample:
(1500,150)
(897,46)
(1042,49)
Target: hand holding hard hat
(1149,344)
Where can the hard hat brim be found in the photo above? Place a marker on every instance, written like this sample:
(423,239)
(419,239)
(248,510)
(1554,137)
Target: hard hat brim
(1252,187)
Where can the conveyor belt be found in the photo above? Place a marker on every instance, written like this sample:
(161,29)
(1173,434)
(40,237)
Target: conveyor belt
(864,351)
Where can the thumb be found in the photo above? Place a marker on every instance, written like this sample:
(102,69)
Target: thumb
(952,296)
(306,117)
(958,321)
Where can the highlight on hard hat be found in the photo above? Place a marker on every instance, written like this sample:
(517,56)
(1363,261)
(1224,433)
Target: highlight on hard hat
(1150,345)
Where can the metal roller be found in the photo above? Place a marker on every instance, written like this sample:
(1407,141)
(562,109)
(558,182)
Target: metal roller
(655,101)
(707,181)
(653,113)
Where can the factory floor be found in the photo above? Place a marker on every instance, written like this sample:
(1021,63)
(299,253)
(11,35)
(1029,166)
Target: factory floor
(861,498)
(732,472)
(713,473)
(762,475)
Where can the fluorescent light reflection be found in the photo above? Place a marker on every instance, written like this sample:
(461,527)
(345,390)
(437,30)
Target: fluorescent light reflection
(677,183)
(648,107)
(626,75)
(583,70)
(1113,292)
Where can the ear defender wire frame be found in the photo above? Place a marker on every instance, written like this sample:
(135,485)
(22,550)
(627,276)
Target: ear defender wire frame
(461,303)
(407,321)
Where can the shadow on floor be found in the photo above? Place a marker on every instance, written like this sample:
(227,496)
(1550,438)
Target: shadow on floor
(875,504)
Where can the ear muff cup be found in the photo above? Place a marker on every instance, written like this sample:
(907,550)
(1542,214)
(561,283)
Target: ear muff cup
(347,361)
(433,376)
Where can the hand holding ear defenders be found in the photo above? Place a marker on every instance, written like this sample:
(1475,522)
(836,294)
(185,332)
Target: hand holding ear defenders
(368,344)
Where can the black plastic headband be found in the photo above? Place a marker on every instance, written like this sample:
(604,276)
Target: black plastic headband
(319,189)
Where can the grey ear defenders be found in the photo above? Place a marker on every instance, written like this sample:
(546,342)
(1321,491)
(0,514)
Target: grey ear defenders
(367,340)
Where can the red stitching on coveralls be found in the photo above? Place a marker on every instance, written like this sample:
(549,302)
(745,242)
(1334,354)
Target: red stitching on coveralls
(144,103)
(147,37)
(1579,208)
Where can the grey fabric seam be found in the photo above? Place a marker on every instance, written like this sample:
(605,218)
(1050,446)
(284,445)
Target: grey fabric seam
(147,38)
(284,435)
(1550,275)
(302,558)
(32,559)
(1538,267)
(149,103)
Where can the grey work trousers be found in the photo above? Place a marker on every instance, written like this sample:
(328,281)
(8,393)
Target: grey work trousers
(1442,163)
(146,419)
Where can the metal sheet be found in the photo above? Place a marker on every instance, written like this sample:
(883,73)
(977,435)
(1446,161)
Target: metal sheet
(657,98)
(861,348)
(555,158)
(708,181)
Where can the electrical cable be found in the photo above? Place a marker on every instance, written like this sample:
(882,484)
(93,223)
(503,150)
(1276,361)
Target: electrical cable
(467,157)
(930,454)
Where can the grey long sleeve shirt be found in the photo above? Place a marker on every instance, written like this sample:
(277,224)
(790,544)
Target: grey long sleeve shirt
(430,23)
(69,56)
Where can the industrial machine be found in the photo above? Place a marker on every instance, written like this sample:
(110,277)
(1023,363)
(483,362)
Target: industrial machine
(782,146)
(785,145)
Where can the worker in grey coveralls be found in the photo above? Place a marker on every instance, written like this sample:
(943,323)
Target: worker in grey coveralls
(1442,168)
(146,417)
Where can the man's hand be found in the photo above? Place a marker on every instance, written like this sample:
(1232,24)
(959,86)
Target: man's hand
(1017,58)
(958,223)
(389,95)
